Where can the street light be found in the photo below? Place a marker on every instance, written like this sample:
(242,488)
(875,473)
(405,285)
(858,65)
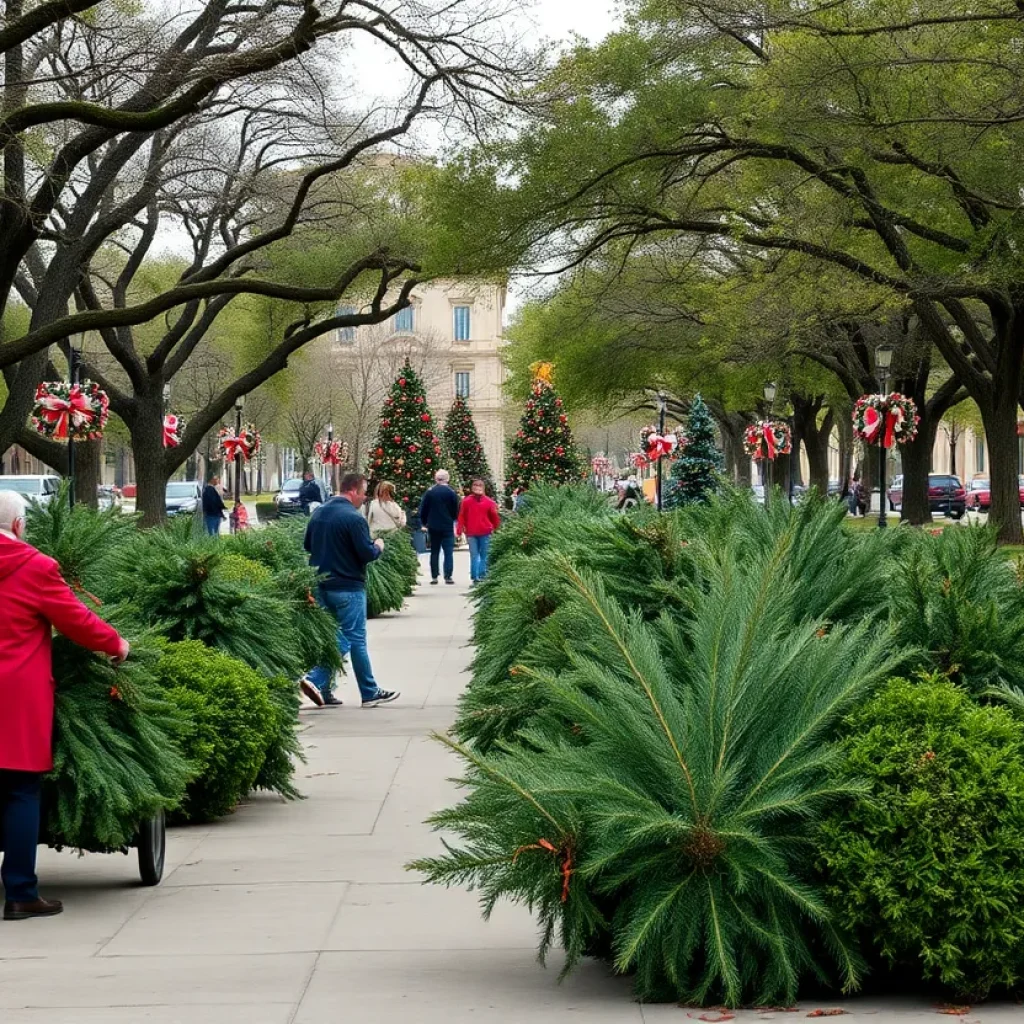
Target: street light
(330,439)
(770,390)
(73,374)
(167,395)
(883,362)
(662,406)
(239,406)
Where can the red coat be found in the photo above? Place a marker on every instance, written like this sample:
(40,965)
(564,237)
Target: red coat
(478,516)
(34,597)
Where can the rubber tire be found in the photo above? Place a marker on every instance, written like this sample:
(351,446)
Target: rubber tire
(152,848)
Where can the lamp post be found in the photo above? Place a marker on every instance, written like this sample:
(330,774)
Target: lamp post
(770,391)
(73,367)
(239,406)
(662,406)
(883,361)
(330,440)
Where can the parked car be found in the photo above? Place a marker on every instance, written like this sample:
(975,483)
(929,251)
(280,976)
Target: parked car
(979,495)
(182,497)
(107,496)
(946,495)
(39,488)
(287,499)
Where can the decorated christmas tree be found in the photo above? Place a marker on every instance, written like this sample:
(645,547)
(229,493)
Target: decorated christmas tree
(463,442)
(697,470)
(408,451)
(543,448)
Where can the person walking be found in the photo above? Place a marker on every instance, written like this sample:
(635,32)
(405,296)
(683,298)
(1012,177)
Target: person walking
(478,519)
(383,513)
(34,600)
(439,510)
(213,506)
(339,545)
(310,493)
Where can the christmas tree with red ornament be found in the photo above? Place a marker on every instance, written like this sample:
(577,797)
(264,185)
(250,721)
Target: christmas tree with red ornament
(463,442)
(408,451)
(543,448)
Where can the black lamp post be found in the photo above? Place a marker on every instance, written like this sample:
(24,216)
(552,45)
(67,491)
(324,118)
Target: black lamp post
(239,406)
(883,361)
(73,367)
(330,439)
(770,391)
(662,406)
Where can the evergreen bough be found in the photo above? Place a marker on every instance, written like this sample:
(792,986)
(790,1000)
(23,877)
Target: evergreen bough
(392,577)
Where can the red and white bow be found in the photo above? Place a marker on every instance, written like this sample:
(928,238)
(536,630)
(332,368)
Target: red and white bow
(873,420)
(660,447)
(74,411)
(172,431)
(235,446)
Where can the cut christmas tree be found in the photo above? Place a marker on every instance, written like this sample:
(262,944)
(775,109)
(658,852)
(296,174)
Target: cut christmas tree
(407,451)
(696,474)
(463,442)
(543,449)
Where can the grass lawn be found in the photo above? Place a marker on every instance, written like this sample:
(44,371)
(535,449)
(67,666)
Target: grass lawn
(870,522)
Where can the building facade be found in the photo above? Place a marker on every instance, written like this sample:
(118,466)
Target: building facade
(453,331)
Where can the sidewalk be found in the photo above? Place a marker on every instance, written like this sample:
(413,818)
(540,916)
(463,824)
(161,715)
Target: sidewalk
(302,913)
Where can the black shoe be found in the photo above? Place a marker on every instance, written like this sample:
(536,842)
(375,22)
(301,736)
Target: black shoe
(330,701)
(14,911)
(383,697)
(433,582)
(311,691)
(450,580)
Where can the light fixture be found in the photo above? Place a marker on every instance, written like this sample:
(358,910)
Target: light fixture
(770,390)
(330,428)
(167,392)
(240,402)
(883,356)
(662,402)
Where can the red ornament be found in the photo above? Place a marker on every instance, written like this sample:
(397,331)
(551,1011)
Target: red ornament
(401,382)
(563,418)
(419,398)
(398,439)
(428,461)
(412,447)
(380,451)
(425,417)
(385,423)
(559,451)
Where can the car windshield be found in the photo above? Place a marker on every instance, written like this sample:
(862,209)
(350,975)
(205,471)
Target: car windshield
(181,490)
(979,485)
(21,484)
(291,485)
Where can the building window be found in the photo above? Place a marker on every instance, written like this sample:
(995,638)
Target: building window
(460,316)
(346,335)
(462,384)
(404,320)
(979,454)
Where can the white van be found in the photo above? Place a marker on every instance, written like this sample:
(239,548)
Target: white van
(36,488)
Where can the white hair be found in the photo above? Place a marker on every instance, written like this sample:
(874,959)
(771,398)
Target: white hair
(442,476)
(12,508)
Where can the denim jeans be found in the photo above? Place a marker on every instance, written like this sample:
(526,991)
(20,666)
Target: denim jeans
(442,542)
(479,548)
(349,607)
(19,833)
(212,525)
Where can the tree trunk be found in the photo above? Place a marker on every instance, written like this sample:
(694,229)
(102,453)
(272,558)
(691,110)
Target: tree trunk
(816,437)
(152,468)
(1000,419)
(845,454)
(87,472)
(917,458)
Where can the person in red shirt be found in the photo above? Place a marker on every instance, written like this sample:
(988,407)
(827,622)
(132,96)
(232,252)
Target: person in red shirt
(478,519)
(34,600)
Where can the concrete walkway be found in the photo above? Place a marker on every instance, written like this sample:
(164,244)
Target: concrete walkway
(302,913)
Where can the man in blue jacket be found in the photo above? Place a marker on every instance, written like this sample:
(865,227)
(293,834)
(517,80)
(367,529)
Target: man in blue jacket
(340,549)
(439,510)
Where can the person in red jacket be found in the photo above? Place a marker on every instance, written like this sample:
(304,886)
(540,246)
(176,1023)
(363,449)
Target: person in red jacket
(34,599)
(478,519)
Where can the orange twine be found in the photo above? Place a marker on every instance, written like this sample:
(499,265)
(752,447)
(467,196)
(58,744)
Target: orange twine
(567,863)
(76,586)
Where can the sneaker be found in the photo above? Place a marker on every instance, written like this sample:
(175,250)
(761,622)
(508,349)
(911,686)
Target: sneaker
(450,580)
(331,701)
(383,697)
(433,582)
(311,692)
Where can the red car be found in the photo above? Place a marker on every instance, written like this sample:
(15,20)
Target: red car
(979,495)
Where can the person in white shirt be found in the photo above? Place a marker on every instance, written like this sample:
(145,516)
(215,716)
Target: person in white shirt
(383,513)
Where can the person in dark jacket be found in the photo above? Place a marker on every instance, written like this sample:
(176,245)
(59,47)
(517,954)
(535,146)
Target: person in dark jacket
(439,511)
(213,506)
(340,549)
(310,492)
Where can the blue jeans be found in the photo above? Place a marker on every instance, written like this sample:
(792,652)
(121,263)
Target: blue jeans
(212,525)
(349,607)
(479,548)
(442,542)
(19,833)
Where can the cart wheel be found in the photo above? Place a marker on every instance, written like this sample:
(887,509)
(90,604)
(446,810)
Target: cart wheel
(152,845)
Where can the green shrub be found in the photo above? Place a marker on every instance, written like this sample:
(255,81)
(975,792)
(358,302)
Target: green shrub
(663,803)
(238,569)
(116,756)
(927,866)
(232,723)
(266,511)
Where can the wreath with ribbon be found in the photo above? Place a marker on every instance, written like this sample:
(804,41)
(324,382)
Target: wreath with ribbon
(638,460)
(331,453)
(601,465)
(889,419)
(661,446)
(246,444)
(70,412)
(174,427)
(768,439)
